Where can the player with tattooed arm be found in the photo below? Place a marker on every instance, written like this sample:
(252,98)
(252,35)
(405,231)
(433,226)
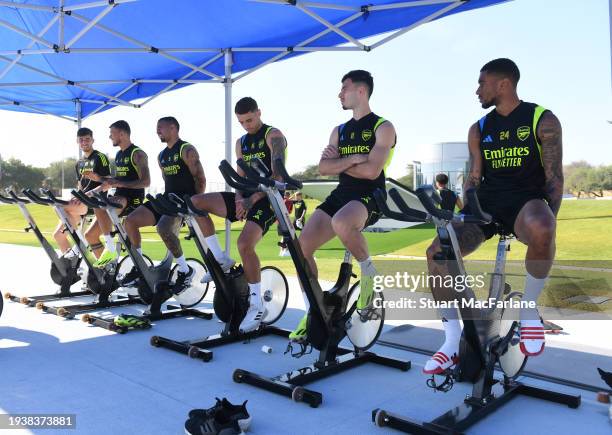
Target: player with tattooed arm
(516,165)
(267,144)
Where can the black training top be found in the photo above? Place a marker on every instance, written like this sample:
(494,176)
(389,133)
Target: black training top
(126,171)
(255,146)
(177,177)
(449,199)
(511,152)
(97,163)
(359,137)
(300,209)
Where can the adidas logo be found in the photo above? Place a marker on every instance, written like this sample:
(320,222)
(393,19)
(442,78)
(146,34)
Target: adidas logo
(487,139)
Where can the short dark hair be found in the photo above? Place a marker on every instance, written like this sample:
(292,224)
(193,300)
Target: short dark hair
(121,125)
(245,105)
(442,179)
(362,77)
(503,67)
(170,120)
(84,131)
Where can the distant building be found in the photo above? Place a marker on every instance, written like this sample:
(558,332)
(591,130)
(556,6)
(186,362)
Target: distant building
(450,158)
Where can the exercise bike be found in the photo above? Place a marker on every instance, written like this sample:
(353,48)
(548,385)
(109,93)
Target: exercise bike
(231,298)
(154,284)
(490,335)
(64,271)
(101,282)
(333,314)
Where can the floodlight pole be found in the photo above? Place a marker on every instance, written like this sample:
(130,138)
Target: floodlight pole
(227,83)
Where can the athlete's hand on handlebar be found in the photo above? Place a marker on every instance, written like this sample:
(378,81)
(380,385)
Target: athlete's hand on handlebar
(90,175)
(109,183)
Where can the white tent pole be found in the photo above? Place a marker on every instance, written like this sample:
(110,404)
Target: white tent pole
(228,133)
(89,25)
(12,4)
(30,44)
(79,121)
(61,44)
(96,4)
(427,19)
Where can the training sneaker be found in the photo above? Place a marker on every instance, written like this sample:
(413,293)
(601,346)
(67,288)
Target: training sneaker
(131,321)
(300,333)
(183,281)
(253,317)
(130,279)
(219,424)
(105,258)
(226,264)
(235,412)
(366,292)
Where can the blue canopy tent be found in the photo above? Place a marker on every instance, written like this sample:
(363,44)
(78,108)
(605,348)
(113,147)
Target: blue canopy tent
(73,59)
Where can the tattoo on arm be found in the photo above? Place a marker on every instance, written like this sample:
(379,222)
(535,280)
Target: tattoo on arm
(278,144)
(142,167)
(549,134)
(475,161)
(192,160)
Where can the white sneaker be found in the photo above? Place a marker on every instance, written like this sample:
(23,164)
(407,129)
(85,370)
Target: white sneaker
(253,318)
(226,264)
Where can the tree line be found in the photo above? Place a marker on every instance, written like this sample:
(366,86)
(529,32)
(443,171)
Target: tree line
(581,178)
(18,175)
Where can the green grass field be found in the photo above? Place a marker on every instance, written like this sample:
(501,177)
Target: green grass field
(584,238)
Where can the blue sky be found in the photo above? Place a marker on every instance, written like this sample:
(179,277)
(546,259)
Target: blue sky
(424,83)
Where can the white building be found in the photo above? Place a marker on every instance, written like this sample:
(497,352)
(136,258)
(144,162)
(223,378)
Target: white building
(450,158)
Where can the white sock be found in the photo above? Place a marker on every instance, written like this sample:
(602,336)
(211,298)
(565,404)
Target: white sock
(139,250)
(110,243)
(182,264)
(255,291)
(306,302)
(452,333)
(533,289)
(452,327)
(367,267)
(215,248)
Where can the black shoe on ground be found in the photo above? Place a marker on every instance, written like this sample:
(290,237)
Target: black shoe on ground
(235,412)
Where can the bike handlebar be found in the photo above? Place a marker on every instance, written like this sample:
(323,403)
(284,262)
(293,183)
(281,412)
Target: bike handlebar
(477,217)
(53,198)
(16,198)
(402,216)
(407,214)
(107,202)
(290,182)
(234,180)
(162,206)
(192,208)
(87,200)
(29,193)
(7,200)
(252,176)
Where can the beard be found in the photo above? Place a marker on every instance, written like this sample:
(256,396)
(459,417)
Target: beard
(489,103)
(115,144)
